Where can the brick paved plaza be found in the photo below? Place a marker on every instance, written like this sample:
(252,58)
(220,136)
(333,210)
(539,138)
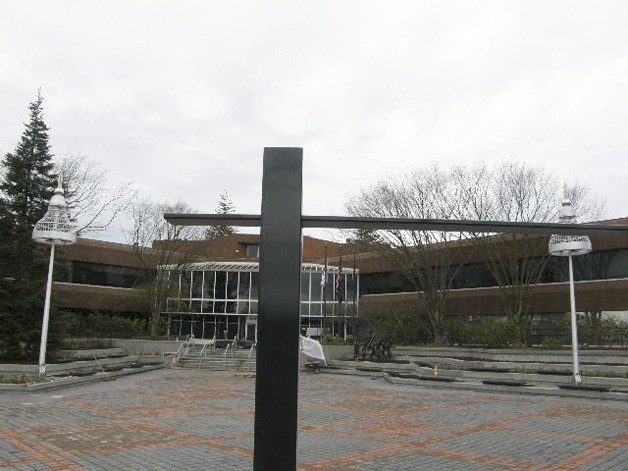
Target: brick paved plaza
(192,420)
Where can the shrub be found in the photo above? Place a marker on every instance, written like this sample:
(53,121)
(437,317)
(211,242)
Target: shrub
(335,340)
(22,379)
(498,333)
(404,328)
(99,325)
(552,343)
(459,332)
(487,331)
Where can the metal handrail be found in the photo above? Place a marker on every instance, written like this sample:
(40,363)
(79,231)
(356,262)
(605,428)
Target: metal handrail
(224,356)
(163,354)
(200,355)
(229,348)
(175,355)
(253,348)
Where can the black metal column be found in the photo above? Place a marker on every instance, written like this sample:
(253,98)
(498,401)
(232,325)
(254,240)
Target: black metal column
(277,377)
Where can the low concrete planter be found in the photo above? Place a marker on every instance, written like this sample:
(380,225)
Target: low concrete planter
(143,347)
(81,366)
(89,354)
(62,382)
(19,370)
(338,352)
(138,346)
(517,355)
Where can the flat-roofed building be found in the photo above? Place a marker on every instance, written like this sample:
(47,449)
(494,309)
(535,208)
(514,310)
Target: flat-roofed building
(217,294)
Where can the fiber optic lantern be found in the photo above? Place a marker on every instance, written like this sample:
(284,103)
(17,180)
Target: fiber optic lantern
(55,228)
(568,246)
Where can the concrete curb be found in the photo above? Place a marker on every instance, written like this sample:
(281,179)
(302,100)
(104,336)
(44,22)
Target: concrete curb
(65,382)
(534,390)
(548,389)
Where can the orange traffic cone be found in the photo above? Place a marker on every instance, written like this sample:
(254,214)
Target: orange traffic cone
(435,372)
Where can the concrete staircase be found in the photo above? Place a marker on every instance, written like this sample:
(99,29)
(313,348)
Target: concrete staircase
(218,359)
(529,367)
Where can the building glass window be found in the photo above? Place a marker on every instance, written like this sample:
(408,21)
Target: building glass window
(221,285)
(185,284)
(104,275)
(229,296)
(245,284)
(618,264)
(350,285)
(315,287)
(329,290)
(252,250)
(305,286)
(208,306)
(316,309)
(254,285)
(208,285)
(232,285)
(197,284)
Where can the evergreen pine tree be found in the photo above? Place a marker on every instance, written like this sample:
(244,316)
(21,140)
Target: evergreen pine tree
(225,206)
(25,190)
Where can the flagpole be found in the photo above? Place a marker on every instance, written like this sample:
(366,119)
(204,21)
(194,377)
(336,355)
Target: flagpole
(325,297)
(355,301)
(344,309)
(338,290)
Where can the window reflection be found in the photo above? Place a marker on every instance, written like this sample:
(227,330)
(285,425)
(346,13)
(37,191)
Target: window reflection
(234,293)
(185,284)
(208,284)
(232,285)
(254,285)
(197,284)
(221,285)
(245,284)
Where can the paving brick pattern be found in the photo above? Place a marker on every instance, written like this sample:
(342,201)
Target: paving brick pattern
(193,420)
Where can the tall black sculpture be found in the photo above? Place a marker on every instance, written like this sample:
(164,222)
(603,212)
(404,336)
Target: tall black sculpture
(277,378)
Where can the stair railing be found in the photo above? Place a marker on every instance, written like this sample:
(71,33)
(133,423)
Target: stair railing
(229,349)
(200,355)
(184,347)
(188,344)
(253,351)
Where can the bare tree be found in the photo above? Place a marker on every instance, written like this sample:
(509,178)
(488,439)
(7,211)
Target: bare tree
(512,191)
(516,192)
(162,248)
(422,257)
(93,203)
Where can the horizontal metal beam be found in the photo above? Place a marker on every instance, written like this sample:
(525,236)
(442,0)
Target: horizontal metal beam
(239,220)
(460,225)
(348,222)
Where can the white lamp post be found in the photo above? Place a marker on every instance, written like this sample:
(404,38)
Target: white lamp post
(567,246)
(55,228)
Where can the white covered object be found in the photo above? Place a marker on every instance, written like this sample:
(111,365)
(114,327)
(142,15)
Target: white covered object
(313,349)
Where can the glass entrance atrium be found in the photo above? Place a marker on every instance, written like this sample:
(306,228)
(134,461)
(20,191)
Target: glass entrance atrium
(218,300)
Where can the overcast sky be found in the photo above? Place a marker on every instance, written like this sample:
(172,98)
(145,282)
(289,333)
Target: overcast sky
(182,97)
